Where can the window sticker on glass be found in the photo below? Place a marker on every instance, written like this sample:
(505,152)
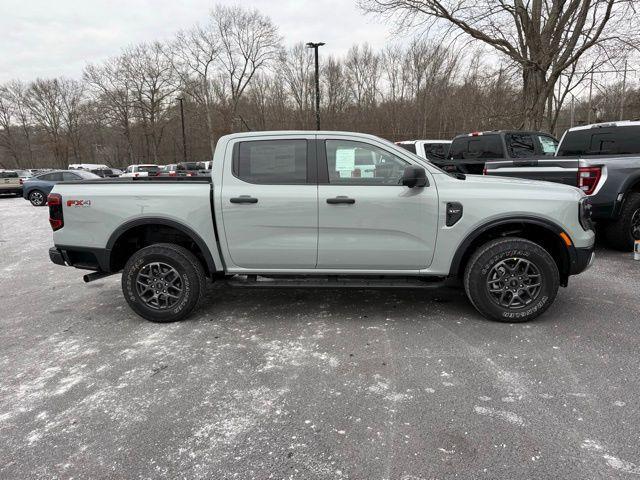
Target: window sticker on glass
(345,161)
(272,159)
(548,145)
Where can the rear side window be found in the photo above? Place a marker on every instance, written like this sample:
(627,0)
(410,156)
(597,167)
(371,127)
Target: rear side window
(149,168)
(68,176)
(482,146)
(437,151)
(271,161)
(601,141)
(520,145)
(51,177)
(9,175)
(408,146)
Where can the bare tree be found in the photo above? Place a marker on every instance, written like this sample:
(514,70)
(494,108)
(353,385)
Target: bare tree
(8,137)
(153,84)
(249,43)
(45,104)
(112,88)
(544,38)
(297,73)
(195,56)
(362,67)
(335,90)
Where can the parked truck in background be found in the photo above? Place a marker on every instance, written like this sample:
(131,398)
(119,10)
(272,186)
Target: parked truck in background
(433,150)
(470,152)
(294,209)
(603,160)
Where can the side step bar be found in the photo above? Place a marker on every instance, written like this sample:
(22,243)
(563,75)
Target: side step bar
(334,281)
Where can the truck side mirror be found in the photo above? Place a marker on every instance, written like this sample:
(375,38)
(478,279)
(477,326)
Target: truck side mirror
(414,177)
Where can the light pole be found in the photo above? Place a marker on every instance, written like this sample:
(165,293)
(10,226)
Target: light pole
(315,50)
(184,137)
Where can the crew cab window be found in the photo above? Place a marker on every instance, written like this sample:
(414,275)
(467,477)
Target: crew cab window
(357,163)
(520,145)
(601,141)
(272,162)
(481,146)
(9,175)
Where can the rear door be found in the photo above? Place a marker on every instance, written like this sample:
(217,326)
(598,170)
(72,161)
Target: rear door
(270,202)
(470,153)
(367,220)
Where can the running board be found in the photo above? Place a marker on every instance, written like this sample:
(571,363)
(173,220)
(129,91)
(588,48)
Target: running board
(333,281)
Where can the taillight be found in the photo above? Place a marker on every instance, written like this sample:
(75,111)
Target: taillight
(588,178)
(21,181)
(56,219)
(484,170)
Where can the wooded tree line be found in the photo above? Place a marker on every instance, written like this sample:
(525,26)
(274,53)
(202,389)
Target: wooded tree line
(234,74)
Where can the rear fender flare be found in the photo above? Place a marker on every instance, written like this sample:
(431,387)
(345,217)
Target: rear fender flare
(188,231)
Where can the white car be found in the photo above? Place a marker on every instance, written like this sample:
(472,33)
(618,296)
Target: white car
(142,170)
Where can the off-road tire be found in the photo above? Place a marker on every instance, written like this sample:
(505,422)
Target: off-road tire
(618,234)
(185,263)
(490,255)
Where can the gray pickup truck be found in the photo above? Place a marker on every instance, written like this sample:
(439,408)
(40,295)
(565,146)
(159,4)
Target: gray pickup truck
(601,159)
(323,209)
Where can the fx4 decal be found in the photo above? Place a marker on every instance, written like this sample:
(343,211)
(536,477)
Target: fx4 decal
(78,203)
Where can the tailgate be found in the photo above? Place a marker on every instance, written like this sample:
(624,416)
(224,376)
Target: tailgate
(557,170)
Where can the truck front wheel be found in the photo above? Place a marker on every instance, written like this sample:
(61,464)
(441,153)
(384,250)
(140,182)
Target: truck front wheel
(511,280)
(163,282)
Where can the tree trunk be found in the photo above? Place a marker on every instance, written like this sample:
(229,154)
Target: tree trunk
(534,97)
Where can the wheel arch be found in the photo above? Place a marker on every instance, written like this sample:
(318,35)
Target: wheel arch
(142,226)
(542,231)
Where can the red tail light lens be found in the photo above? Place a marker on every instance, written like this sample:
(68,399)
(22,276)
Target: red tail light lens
(21,181)
(588,178)
(56,219)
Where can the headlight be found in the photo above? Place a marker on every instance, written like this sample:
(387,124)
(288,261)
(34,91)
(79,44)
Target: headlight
(584,213)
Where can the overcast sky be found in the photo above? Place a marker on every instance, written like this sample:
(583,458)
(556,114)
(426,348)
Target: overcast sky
(41,38)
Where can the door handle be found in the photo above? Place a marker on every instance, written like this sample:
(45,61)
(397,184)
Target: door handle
(243,199)
(341,199)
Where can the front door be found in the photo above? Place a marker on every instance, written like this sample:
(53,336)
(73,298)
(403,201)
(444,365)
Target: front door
(270,203)
(367,219)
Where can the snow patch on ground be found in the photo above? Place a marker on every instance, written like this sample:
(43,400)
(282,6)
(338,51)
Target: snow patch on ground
(510,417)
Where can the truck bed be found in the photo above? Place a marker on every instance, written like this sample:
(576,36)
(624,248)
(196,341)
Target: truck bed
(555,169)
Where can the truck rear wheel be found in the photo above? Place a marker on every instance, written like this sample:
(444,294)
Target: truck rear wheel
(511,280)
(622,233)
(163,282)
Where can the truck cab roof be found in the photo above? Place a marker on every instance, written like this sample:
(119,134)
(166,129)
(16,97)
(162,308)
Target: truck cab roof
(621,123)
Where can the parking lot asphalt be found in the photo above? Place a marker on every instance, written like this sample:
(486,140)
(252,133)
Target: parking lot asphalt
(310,384)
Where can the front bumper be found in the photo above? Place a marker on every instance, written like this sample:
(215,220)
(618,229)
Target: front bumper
(582,260)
